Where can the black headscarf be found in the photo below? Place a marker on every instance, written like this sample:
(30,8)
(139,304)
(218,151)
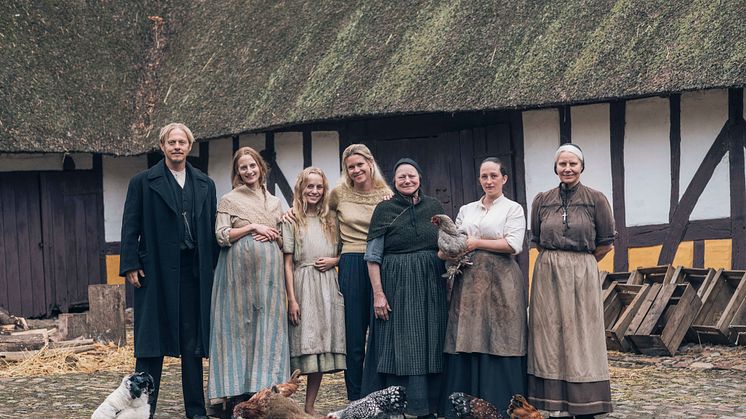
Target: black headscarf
(406,225)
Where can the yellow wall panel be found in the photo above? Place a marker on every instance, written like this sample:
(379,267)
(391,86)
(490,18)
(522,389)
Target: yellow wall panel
(684,255)
(532,254)
(607,263)
(718,253)
(112,270)
(643,256)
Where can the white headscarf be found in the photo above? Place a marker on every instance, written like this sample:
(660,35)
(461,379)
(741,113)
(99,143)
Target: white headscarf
(571,148)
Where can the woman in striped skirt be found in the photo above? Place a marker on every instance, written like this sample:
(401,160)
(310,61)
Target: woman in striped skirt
(249,334)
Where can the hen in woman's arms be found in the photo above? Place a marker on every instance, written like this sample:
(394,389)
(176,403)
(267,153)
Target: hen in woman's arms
(453,244)
(469,407)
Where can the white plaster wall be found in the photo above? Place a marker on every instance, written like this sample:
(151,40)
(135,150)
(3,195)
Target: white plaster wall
(647,162)
(590,131)
(541,137)
(325,154)
(703,115)
(289,149)
(12,162)
(219,164)
(117,172)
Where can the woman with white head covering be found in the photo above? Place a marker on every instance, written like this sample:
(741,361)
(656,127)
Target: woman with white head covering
(573,228)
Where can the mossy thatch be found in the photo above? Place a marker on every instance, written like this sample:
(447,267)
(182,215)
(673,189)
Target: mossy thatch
(101,76)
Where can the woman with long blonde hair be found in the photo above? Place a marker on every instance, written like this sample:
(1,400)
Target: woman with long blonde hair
(248,342)
(315,305)
(361,188)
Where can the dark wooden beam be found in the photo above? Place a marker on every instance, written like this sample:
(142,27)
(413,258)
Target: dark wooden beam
(519,176)
(737,179)
(112,248)
(688,201)
(565,122)
(282,182)
(236,144)
(655,234)
(307,148)
(617,120)
(674,137)
(204,156)
(698,256)
(269,155)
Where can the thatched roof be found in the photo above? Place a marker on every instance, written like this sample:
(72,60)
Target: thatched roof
(102,78)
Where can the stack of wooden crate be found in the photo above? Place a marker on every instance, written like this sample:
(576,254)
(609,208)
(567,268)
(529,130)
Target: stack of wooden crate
(653,310)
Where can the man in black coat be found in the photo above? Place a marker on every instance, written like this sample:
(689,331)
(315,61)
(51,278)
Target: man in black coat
(168,252)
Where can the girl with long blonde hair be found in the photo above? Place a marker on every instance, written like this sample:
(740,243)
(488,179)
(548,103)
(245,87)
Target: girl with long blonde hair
(315,305)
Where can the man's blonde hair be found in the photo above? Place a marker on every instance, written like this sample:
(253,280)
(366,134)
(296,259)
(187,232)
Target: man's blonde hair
(172,126)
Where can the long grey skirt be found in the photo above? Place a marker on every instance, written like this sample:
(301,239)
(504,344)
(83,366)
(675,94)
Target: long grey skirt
(568,371)
(249,328)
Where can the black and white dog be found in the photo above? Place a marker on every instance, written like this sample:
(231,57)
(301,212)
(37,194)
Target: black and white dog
(129,400)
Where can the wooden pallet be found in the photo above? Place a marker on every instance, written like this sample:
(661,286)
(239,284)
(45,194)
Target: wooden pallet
(607,278)
(720,303)
(737,327)
(663,319)
(699,278)
(653,275)
(621,303)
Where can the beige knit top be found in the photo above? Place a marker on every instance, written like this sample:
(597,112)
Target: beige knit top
(354,210)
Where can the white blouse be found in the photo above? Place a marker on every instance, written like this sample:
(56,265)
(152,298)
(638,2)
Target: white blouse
(504,220)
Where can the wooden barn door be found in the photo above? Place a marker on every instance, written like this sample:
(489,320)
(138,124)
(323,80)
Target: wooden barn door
(451,161)
(22,287)
(73,231)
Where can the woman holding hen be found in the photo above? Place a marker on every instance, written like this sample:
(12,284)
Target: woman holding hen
(409,295)
(573,228)
(485,342)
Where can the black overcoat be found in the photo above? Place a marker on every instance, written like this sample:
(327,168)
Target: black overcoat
(150,241)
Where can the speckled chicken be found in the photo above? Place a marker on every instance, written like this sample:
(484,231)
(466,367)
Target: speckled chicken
(258,405)
(467,406)
(388,403)
(452,243)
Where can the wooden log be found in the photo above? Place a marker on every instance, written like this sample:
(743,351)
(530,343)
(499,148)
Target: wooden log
(72,325)
(11,343)
(106,318)
(71,343)
(22,355)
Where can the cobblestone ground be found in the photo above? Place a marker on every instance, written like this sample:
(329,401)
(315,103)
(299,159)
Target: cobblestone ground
(686,386)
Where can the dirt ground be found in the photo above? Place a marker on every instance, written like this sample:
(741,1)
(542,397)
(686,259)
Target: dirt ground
(700,382)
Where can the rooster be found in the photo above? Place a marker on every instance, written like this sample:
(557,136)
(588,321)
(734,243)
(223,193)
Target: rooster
(469,407)
(258,406)
(452,243)
(388,403)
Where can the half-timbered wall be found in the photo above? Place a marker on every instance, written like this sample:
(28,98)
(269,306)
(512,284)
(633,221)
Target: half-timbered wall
(665,166)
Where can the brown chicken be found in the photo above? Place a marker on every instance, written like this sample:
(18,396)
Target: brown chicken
(467,406)
(258,406)
(519,408)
